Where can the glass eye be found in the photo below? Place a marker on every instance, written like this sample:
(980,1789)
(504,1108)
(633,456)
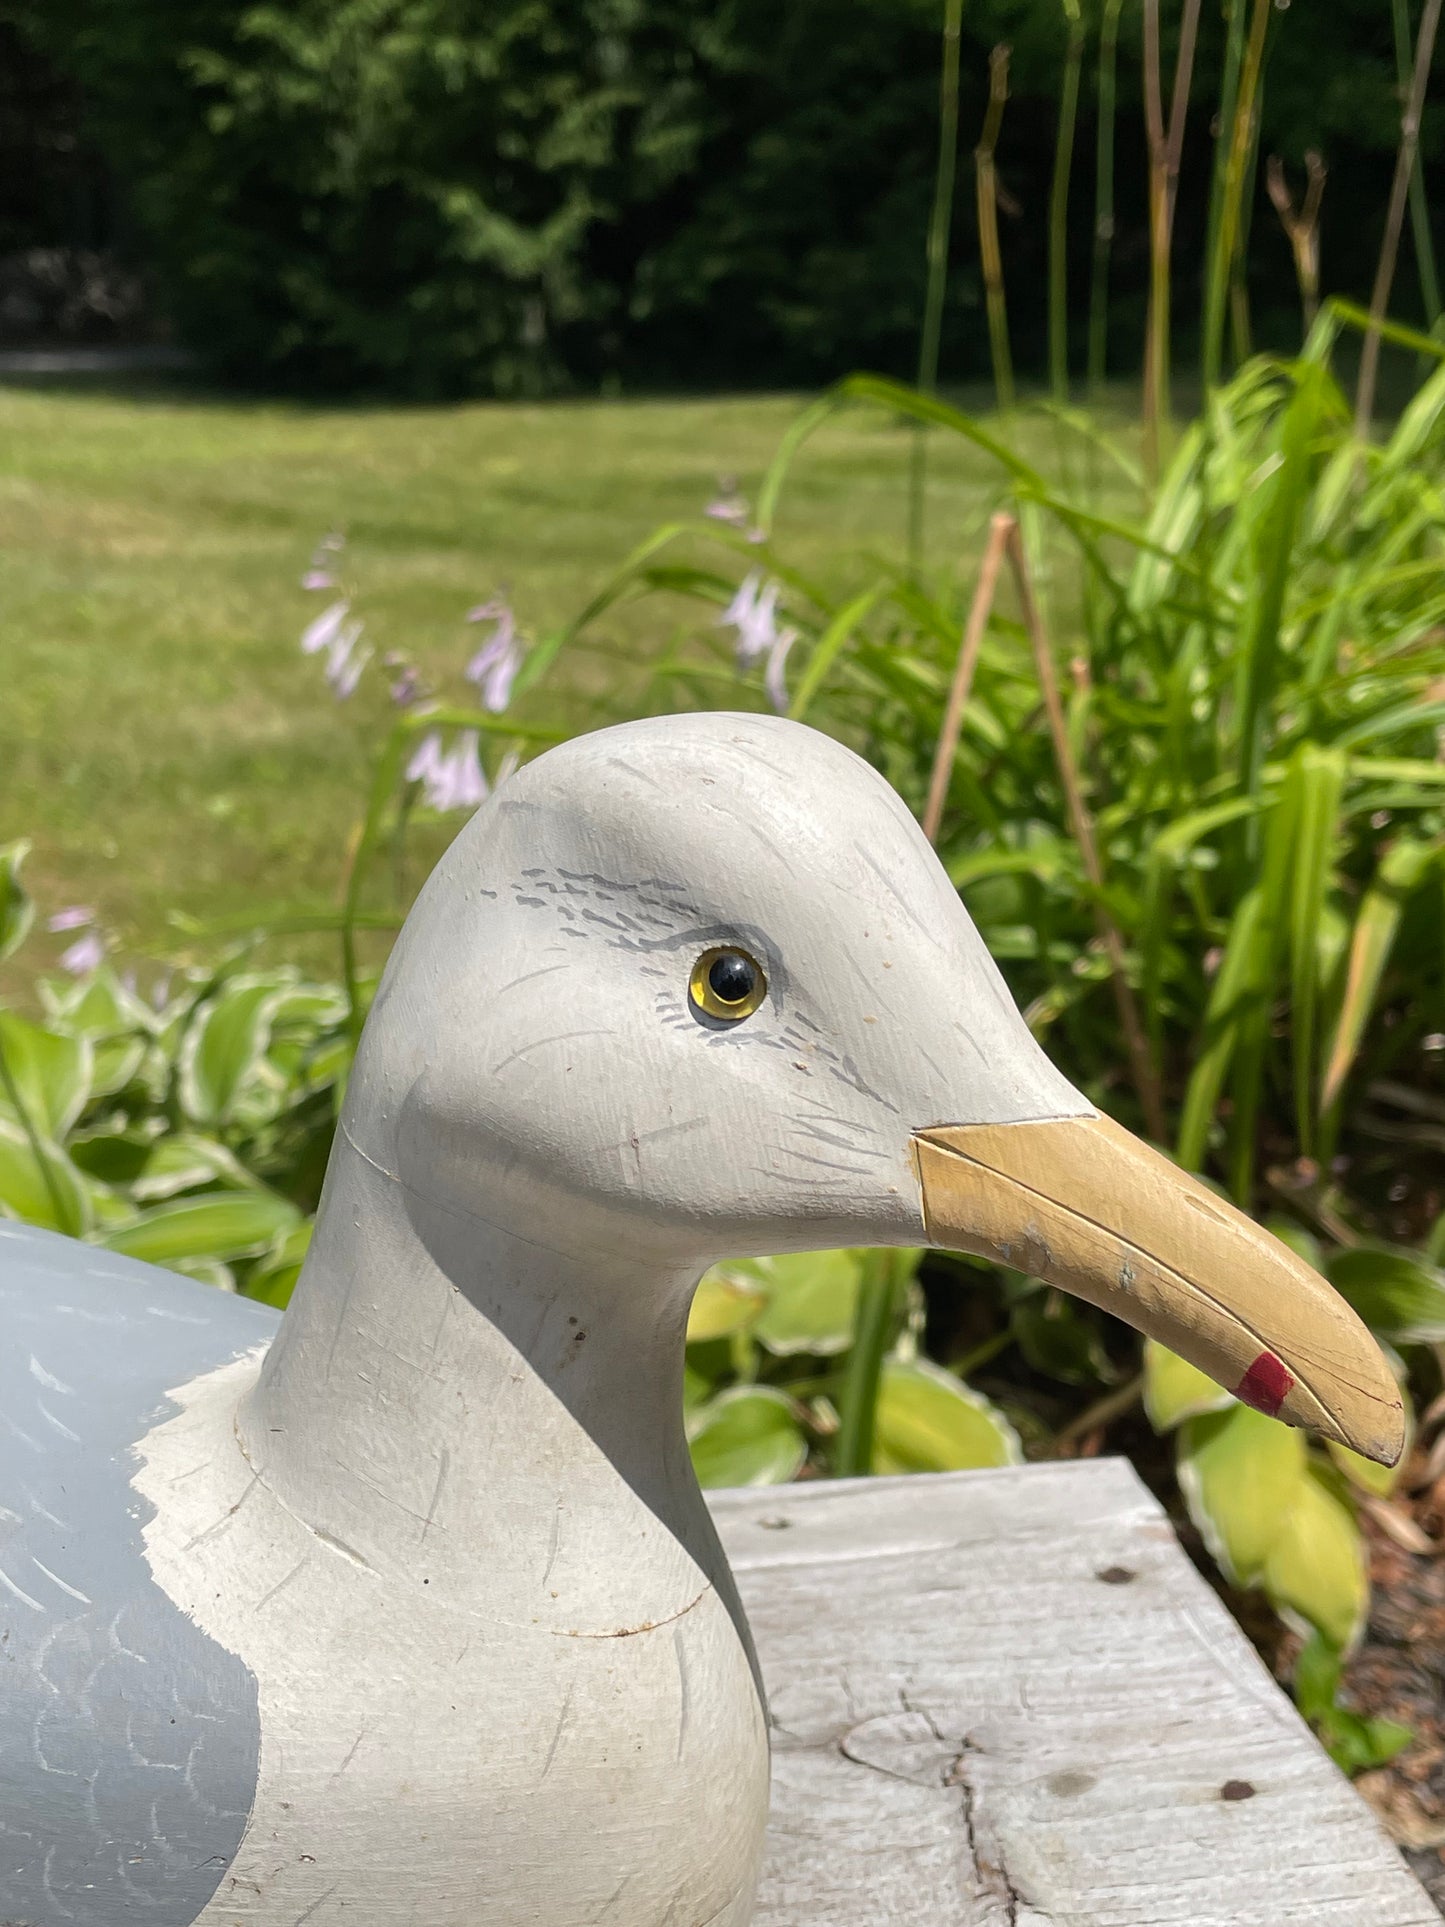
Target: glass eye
(727,984)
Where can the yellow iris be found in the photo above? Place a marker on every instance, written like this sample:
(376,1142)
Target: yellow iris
(727,983)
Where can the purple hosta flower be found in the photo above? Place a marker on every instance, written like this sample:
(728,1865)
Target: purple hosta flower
(321,570)
(345,662)
(323,631)
(494,667)
(773,680)
(753,612)
(75,917)
(87,953)
(728,505)
(451,780)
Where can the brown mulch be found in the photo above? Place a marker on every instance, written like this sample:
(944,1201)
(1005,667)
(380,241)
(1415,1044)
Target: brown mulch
(1399,1671)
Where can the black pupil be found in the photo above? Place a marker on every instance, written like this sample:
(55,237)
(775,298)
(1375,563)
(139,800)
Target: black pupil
(732,978)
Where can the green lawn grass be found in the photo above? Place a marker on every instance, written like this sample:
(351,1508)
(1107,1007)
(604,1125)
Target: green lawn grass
(162,741)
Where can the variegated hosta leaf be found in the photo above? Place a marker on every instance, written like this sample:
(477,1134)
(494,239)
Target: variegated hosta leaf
(221,1224)
(54,1195)
(812,1302)
(1315,1571)
(51,1073)
(928,1420)
(1175,1390)
(1240,1474)
(17,912)
(1276,1516)
(1398,1293)
(727,1300)
(747,1436)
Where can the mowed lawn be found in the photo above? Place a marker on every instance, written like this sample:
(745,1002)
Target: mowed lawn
(164,744)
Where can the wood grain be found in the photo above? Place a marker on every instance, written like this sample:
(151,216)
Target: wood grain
(1006,1699)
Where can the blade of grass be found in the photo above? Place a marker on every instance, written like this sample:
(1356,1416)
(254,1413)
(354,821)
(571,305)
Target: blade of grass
(987,192)
(1419,205)
(1108,89)
(1319,775)
(1144,1076)
(1240,135)
(1165,151)
(1395,217)
(940,225)
(1403,868)
(1000,529)
(1059,206)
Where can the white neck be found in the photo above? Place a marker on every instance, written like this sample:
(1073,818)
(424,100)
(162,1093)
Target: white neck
(463,1411)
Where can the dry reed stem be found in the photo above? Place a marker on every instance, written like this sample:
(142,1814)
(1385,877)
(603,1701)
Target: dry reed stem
(1165,151)
(1144,1077)
(992,257)
(1395,219)
(979,611)
(1302,226)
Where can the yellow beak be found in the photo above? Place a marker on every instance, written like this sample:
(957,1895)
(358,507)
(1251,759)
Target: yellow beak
(1085,1206)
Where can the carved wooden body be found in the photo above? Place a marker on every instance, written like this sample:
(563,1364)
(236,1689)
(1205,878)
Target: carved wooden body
(483,1653)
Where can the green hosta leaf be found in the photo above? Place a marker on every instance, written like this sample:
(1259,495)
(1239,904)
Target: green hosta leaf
(1240,1474)
(63,1204)
(17,912)
(274,1278)
(1304,1244)
(1175,1390)
(748,1436)
(1353,1742)
(225,1046)
(1315,1568)
(812,1302)
(51,1073)
(186,1162)
(726,1301)
(98,1006)
(1060,1338)
(206,1271)
(228,1224)
(929,1421)
(1396,1292)
(116,1062)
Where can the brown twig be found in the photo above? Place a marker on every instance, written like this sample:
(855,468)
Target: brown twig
(1302,226)
(1394,220)
(989,250)
(1141,1065)
(958,693)
(1102,1412)
(1166,148)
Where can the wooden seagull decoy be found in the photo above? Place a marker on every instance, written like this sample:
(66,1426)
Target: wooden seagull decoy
(410,1610)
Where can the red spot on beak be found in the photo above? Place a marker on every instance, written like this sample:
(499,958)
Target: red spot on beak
(1265,1386)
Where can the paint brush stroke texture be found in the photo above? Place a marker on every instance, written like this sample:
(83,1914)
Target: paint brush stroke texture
(128,1738)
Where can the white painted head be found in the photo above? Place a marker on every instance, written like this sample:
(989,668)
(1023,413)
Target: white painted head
(684,989)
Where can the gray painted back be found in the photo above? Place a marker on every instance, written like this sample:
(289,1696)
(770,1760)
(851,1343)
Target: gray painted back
(128,1737)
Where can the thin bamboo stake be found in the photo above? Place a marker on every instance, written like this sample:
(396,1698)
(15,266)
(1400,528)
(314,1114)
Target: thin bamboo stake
(1104,195)
(987,181)
(1165,151)
(1059,206)
(1419,205)
(1394,220)
(1141,1065)
(1301,226)
(940,224)
(958,693)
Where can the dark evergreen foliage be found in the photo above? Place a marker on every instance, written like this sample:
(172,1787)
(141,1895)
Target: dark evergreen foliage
(512,196)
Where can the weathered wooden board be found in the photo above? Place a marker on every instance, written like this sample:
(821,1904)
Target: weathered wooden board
(1006,1699)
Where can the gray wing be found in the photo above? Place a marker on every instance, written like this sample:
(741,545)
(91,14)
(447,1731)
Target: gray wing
(128,1737)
